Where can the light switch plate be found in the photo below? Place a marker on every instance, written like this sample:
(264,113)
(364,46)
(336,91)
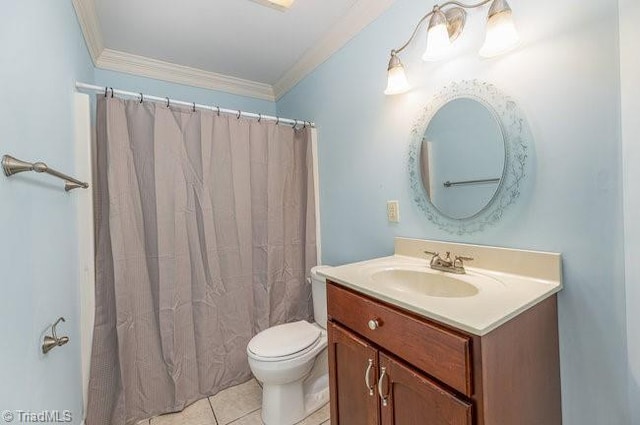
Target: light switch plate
(393,211)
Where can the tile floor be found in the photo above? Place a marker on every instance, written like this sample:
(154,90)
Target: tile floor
(239,405)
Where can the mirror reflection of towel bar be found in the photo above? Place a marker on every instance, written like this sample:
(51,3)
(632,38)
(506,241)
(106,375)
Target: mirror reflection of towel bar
(12,166)
(465,182)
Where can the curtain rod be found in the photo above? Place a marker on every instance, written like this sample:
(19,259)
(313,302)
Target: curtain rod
(110,91)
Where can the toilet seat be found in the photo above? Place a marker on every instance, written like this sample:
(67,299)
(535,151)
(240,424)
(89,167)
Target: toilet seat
(284,342)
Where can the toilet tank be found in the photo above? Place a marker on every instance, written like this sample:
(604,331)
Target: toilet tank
(319,293)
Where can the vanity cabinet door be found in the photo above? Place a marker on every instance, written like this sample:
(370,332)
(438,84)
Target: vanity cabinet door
(354,397)
(409,398)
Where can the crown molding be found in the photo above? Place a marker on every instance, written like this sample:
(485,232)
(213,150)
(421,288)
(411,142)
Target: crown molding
(90,26)
(147,67)
(139,65)
(361,14)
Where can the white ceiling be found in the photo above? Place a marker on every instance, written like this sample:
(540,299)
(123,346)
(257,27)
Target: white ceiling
(236,46)
(238,38)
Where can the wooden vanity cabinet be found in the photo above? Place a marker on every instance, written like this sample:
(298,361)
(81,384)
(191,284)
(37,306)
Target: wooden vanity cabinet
(353,398)
(409,370)
(413,399)
(404,396)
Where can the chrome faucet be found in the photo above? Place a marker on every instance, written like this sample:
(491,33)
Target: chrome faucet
(447,264)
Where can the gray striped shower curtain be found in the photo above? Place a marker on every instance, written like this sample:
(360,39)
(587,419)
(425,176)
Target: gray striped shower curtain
(206,232)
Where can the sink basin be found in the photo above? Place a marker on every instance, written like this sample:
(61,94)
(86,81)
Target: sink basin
(424,283)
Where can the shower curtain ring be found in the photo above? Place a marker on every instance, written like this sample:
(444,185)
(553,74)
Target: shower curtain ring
(141,98)
(295,124)
(218,110)
(106,90)
(239,114)
(194,107)
(305,125)
(111,92)
(259,118)
(168,102)
(277,120)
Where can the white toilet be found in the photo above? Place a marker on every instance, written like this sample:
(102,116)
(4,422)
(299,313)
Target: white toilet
(291,361)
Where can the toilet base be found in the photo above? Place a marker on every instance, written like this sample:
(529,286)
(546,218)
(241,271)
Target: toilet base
(316,385)
(286,405)
(283,404)
(290,403)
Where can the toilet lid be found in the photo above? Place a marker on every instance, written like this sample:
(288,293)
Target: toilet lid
(284,340)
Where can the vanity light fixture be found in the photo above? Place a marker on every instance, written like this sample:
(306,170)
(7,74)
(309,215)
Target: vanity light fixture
(445,25)
(397,79)
(502,35)
(438,39)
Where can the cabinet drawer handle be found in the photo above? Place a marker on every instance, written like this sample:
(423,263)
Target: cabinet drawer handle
(385,398)
(367,378)
(374,324)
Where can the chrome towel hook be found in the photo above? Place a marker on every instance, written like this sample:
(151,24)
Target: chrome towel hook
(51,342)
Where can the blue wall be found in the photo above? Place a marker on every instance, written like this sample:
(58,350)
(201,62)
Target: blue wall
(43,54)
(565,77)
(630,84)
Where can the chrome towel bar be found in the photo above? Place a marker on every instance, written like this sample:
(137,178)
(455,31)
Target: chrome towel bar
(462,183)
(12,166)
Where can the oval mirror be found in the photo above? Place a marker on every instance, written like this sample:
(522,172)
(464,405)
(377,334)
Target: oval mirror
(468,156)
(462,158)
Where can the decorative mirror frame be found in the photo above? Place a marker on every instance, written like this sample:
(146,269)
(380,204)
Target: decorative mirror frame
(516,135)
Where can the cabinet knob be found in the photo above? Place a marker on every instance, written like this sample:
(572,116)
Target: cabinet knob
(374,324)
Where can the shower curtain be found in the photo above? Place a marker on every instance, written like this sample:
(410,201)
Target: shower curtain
(205,235)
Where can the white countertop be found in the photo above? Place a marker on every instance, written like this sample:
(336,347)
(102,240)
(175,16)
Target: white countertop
(501,296)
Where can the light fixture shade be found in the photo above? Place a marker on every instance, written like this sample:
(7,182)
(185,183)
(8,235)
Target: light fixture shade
(396,80)
(438,41)
(502,35)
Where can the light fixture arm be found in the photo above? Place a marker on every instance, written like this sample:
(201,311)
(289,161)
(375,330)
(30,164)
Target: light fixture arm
(413,35)
(436,8)
(464,6)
